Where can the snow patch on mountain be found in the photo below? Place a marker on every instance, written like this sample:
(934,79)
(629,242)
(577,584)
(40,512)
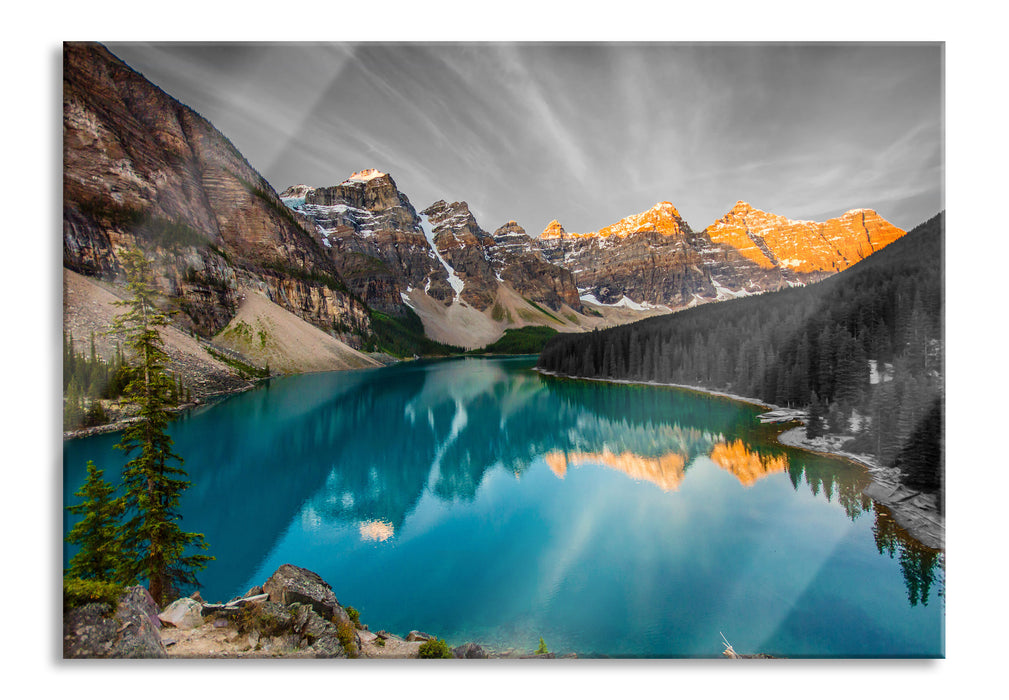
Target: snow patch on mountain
(625,302)
(723,292)
(453,279)
(406,299)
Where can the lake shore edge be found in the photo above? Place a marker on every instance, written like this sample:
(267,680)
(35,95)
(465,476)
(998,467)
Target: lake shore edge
(916,512)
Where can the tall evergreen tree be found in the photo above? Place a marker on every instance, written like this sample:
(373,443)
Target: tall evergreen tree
(814,425)
(97,533)
(157,549)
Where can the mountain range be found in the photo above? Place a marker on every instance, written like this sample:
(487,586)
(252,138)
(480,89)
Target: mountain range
(358,262)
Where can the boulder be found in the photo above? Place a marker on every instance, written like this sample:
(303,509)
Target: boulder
(321,636)
(416,636)
(292,584)
(131,631)
(328,647)
(184,613)
(469,650)
(269,619)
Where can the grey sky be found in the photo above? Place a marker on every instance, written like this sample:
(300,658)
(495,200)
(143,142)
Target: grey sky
(584,133)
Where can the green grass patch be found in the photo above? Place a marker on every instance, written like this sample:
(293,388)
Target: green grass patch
(244,369)
(519,341)
(541,310)
(403,336)
(81,591)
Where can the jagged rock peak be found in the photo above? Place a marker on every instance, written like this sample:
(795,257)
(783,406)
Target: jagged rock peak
(441,211)
(553,230)
(510,229)
(662,218)
(296,191)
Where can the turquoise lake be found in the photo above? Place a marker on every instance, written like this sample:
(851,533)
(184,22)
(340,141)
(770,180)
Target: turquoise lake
(478,501)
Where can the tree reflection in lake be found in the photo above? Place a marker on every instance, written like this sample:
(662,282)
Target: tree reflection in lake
(364,449)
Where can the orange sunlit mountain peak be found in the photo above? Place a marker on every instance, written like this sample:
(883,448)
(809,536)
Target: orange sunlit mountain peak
(771,240)
(662,218)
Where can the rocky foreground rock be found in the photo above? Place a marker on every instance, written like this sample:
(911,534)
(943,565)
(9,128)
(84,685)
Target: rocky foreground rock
(293,614)
(131,631)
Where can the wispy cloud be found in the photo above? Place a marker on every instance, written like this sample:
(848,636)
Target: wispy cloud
(583,133)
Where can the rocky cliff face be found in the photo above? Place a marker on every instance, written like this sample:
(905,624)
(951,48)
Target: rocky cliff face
(519,261)
(374,237)
(461,243)
(806,247)
(394,257)
(385,250)
(142,169)
(651,258)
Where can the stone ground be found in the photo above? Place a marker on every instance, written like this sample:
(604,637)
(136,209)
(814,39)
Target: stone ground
(916,512)
(210,641)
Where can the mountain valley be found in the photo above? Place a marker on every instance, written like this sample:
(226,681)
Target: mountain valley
(360,263)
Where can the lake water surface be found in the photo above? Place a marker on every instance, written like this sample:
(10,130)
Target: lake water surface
(478,501)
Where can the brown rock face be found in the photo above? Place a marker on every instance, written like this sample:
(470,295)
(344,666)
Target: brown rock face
(142,169)
(461,242)
(652,257)
(803,246)
(128,632)
(519,262)
(374,237)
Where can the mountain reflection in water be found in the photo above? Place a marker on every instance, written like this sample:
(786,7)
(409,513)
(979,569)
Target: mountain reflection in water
(363,450)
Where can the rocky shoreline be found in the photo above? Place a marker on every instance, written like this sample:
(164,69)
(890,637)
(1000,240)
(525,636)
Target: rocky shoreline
(125,420)
(918,513)
(294,614)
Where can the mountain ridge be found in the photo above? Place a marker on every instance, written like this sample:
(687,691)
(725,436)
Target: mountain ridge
(648,262)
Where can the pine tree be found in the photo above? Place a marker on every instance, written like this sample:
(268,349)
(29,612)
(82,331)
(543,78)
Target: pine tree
(814,426)
(100,554)
(155,545)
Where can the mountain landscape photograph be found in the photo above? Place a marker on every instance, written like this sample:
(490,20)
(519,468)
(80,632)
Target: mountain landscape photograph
(505,350)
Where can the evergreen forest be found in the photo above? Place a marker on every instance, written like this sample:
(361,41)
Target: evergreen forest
(863,351)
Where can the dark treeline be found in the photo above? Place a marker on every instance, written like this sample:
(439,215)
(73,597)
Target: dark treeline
(88,379)
(863,350)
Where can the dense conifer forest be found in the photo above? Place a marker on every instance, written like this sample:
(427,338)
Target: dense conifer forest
(862,350)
